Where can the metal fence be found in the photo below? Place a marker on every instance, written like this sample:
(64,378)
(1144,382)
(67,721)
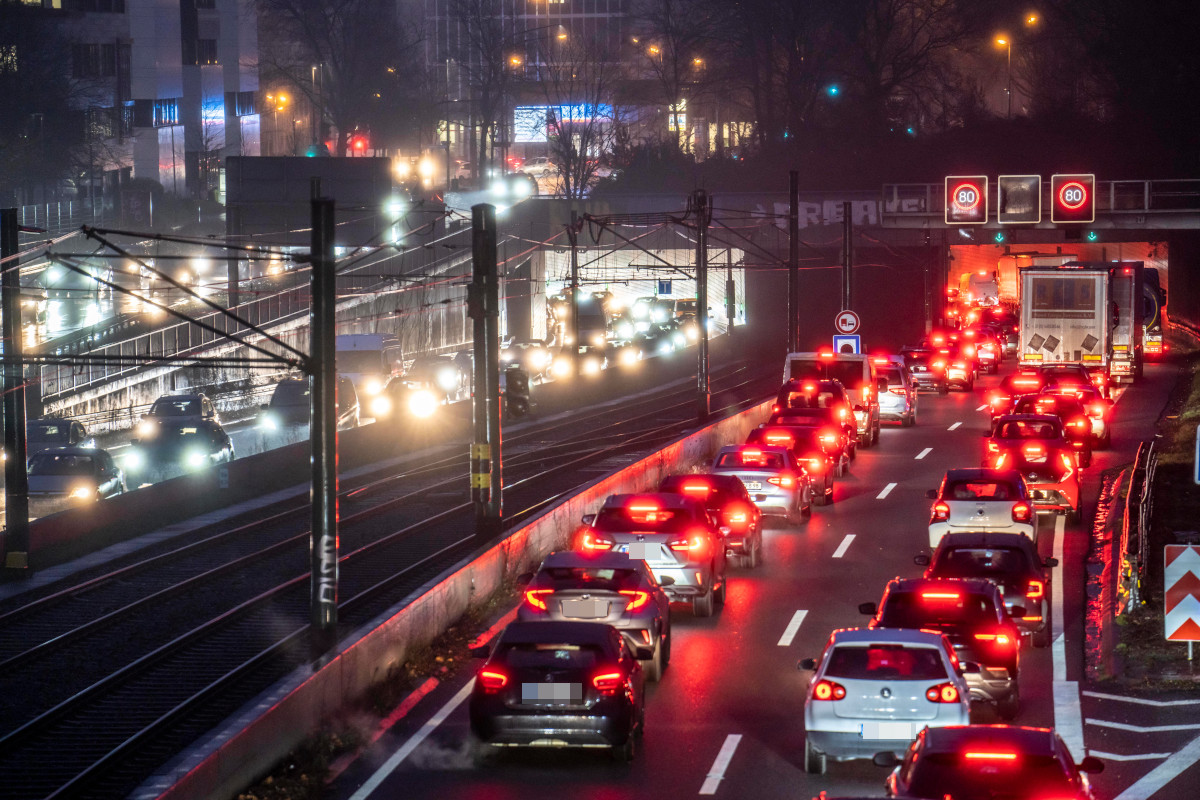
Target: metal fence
(62,217)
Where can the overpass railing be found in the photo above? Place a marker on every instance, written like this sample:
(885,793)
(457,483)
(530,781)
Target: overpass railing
(1180,195)
(61,217)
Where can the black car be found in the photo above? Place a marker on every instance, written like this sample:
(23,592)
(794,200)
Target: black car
(560,684)
(1009,560)
(178,445)
(725,496)
(972,615)
(822,459)
(290,401)
(927,367)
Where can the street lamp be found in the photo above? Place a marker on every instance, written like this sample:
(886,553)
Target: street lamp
(1006,42)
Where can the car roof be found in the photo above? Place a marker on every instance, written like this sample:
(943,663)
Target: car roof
(551,631)
(886,635)
(988,539)
(69,451)
(603,560)
(982,474)
(972,585)
(956,738)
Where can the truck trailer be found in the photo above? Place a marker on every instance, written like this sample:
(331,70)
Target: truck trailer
(1065,316)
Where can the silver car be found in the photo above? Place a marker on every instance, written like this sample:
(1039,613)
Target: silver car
(603,587)
(873,691)
(60,477)
(899,402)
(777,484)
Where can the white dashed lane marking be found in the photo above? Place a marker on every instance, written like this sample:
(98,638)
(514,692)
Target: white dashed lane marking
(924,453)
(954,427)
(789,633)
(713,779)
(886,491)
(982,407)
(841,550)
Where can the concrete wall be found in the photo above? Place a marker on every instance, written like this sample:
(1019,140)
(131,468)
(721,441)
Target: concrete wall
(276,722)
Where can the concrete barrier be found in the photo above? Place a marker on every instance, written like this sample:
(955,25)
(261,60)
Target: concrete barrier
(272,725)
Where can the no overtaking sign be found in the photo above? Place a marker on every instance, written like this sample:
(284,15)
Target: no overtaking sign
(846,322)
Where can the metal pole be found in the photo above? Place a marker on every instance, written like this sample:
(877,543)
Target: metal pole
(1010,80)
(233,228)
(483,303)
(794,262)
(703,211)
(323,427)
(730,291)
(16,479)
(847,256)
(573,235)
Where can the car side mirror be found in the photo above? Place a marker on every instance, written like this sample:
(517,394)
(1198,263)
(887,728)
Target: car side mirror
(1050,562)
(480,650)
(643,652)
(666,580)
(931,494)
(524,578)
(888,759)
(1091,764)
(968,668)
(588,519)
(807,664)
(867,608)
(921,560)
(1017,611)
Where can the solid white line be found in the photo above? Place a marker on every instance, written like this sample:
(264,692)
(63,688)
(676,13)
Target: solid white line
(954,427)
(1141,700)
(789,633)
(1161,775)
(841,550)
(1121,726)
(412,744)
(1068,716)
(982,407)
(717,773)
(1134,757)
(886,491)
(924,453)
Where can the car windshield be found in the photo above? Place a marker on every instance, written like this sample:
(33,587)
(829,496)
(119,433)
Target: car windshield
(1027,777)
(798,438)
(981,562)
(291,393)
(61,464)
(643,518)
(935,607)
(751,459)
(175,407)
(810,399)
(978,490)
(1025,429)
(360,361)
(884,662)
(550,655)
(596,578)
(50,432)
(894,376)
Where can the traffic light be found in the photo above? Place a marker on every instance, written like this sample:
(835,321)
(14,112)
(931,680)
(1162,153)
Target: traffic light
(966,200)
(1072,198)
(358,143)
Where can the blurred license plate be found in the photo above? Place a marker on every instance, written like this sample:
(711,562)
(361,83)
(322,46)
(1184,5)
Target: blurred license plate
(550,694)
(578,608)
(753,486)
(887,730)
(646,551)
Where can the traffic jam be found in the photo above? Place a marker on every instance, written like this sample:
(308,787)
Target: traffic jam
(937,687)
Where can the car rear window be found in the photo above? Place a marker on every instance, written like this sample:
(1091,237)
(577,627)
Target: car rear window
(798,437)
(1026,777)
(812,399)
(751,459)
(894,376)
(936,606)
(599,578)
(982,562)
(291,393)
(551,656)
(884,661)
(658,521)
(1042,429)
(979,490)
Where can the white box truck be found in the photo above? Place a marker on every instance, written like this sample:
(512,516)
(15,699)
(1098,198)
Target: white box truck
(1065,317)
(368,360)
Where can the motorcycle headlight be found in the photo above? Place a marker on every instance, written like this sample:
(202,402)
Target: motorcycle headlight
(373,386)
(82,493)
(422,403)
(381,406)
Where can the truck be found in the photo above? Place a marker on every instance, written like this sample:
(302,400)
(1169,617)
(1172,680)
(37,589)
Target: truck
(369,360)
(1127,316)
(1065,316)
(1154,314)
(982,288)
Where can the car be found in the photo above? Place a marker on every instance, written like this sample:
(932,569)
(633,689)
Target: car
(1022,382)
(177,407)
(69,476)
(560,684)
(1050,469)
(1072,375)
(439,374)
(927,368)
(981,499)
(1009,560)
(603,587)
(1013,431)
(1076,422)
(290,401)
(807,393)
(972,615)
(961,366)
(591,361)
(175,445)
(899,401)
(727,498)
(623,352)
(830,420)
(856,374)
(814,449)
(774,478)
(985,762)
(532,354)
(988,349)
(539,167)
(42,434)
(872,691)
(675,535)
(1095,406)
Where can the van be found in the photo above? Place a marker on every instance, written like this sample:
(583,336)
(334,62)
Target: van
(855,372)
(369,360)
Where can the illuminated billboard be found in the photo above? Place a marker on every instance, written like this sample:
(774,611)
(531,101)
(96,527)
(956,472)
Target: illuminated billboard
(530,123)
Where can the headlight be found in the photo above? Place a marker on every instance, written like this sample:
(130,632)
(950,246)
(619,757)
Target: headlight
(82,493)
(134,460)
(628,356)
(146,429)
(666,348)
(598,340)
(590,367)
(268,422)
(373,386)
(562,367)
(679,339)
(422,403)
(446,380)
(539,359)
(693,334)
(195,459)
(381,406)
(625,330)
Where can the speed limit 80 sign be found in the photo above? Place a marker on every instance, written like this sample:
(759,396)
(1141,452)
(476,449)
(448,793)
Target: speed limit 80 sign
(966,199)
(1072,198)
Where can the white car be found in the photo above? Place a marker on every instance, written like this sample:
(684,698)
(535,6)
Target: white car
(873,691)
(993,500)
(539,167)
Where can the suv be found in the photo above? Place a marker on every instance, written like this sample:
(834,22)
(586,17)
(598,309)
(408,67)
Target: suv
(777,483)
(676,536)
(855,372)
(539,167)
(725,496)
(927,367)
(981,499)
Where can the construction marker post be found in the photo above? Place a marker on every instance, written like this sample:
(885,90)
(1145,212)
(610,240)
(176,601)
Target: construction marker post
(483,306)
(16,479)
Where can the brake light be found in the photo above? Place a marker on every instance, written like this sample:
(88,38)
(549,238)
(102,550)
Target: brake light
(999,639)
(1021,512)
(1034,451)
(989,756)
(637,598)
(880,360)
(825,354)
(643,507)
(696,487)
(595,541)
(739,517)
(810,387)
(1079,423)
(1068,465)
(1097,410)
(941,511)
(782,481)
(492,680)
(942,693)
(775,408)
(609,683)
(841,413)
(1036,590)
(695,544)
(897,390)
(939,365)
(940,595)
(815,466)
(1000,461)
(536,598)
(1026,383)
(866,393)
(829,438)
(779,438)
(751,452)
(828,690)
(992,446)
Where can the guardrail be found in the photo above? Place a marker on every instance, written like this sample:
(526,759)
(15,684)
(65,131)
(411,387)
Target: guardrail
(1135,528)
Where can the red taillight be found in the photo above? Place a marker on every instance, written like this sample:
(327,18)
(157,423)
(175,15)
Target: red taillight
(992,446)
(695,544)
(637,598)
(609,683)
(829,438)
(989,756)
(942,693)
(782,481)
(900,390)
(1022,512)
(940,596)
(938,365)
(998,639)
(828,690)
(1000,461)
(738,517)
(815,466)
(941,511)
(1034,451)
(775,409)
(492,680)
(1097,410)
(696,487)
(536,598)
(1036,590)
(866,393)
(779,439)
(592,541)
(1079,423)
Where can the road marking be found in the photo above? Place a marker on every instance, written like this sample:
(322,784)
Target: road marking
(1122,726)
(841,550)
(714,777)
(1161,775)
(342,764)
(886,491)
(1134,757)
(954,427)
(924,453)
(1068,717)
(789,633)
(982,407)
(1140,700)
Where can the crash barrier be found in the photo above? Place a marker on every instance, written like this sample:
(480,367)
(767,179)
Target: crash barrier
(273,724)
(1103,585)
(1135,526)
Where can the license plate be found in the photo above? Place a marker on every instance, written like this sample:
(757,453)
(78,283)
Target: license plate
(579,608)
(887,730)
(551,694)
(753,486)
(646,551)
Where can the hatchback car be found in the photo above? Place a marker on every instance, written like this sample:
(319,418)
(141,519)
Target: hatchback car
(820,458)
(986,762)
(899,402)
(725,496)
(603,587)
(64,476)
(1009,560)
(841,435)
(560,684)
(812,394)
(42,434)
(1002,398)
(179,445)
(1051,473)
(1014,431)
(927,367)
(981,499)
(972,615)
(776,482)
(1077,426)
(676,537)
(872,691)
